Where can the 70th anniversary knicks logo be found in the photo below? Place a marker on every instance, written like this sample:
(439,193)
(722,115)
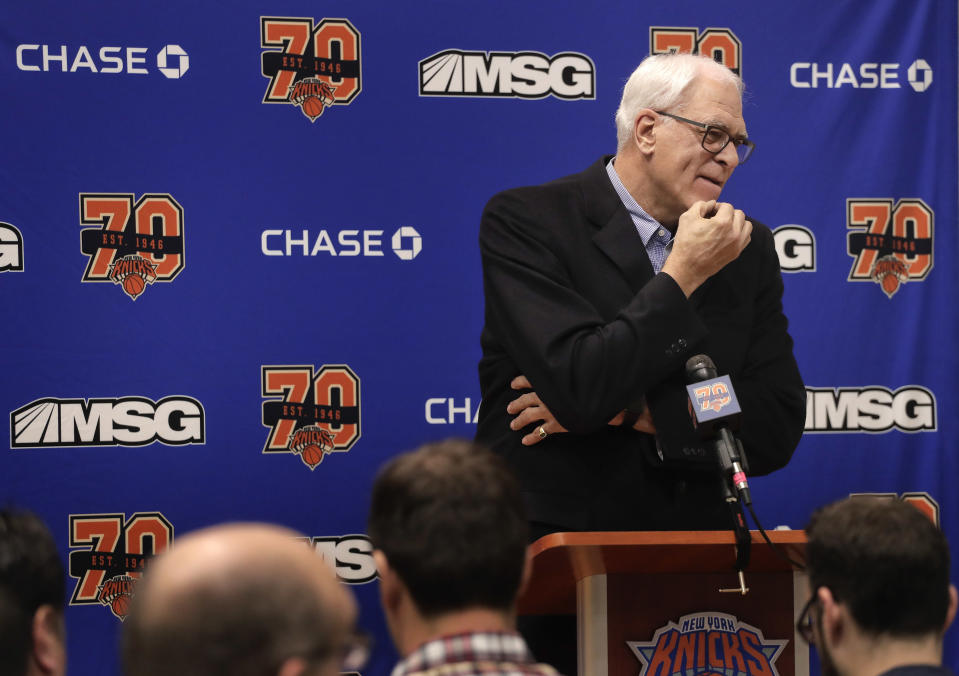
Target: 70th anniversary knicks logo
(319,413)
(721,44)
(708,644)
(131,244)
(113,552)
(314,66)
(890,244)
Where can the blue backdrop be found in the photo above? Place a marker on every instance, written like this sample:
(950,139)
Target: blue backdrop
(239,238)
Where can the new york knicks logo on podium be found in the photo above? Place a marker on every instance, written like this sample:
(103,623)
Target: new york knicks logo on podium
(708,644)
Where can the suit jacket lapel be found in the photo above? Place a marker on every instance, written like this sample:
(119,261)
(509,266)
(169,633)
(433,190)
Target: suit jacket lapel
(621,243)
(616,235)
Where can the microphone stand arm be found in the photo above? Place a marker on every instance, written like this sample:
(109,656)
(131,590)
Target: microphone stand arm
(733,485)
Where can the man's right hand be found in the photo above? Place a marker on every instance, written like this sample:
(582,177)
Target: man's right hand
(529,408)
(709,236)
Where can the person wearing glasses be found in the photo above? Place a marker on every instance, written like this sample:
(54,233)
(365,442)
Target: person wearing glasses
(881,598)
(601,285)
(245,600)
(449,535)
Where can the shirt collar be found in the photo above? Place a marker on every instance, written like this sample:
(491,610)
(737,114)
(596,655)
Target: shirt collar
(475,646)
(646,225)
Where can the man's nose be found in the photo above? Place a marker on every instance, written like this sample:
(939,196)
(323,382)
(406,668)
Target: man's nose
(728,156)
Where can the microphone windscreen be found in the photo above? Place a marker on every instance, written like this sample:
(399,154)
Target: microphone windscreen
(699,367)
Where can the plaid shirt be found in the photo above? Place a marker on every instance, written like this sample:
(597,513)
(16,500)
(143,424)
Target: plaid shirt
(489,654)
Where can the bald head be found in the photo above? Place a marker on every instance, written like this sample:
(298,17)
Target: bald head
(240,599)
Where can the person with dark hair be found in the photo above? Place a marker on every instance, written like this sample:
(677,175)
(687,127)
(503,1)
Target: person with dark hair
(240,600)
(449,530)
(881,599)
(32,596)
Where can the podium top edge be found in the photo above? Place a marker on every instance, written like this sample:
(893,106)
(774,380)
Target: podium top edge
(658,538)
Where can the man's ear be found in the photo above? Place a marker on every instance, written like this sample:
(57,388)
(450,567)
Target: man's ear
(951,612)
(382,563)
(527,573)
(389,582)
(834,617)
(644,131)
(293,666)
(49,640)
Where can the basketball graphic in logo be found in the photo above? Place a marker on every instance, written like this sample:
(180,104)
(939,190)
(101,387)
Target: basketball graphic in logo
(120,606)
(134,285)
(312,455)
(311,443)
(312,107)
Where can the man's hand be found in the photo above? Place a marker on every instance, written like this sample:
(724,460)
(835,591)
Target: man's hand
(709,236)
(529,408)
(644,423)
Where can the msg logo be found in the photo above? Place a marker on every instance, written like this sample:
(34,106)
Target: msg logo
(120,421)
(870,409)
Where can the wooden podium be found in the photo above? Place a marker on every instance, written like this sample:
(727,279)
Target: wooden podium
(624,587)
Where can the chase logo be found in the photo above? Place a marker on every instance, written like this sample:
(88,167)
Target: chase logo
(407,243)
(919,75)
(11,248)
(444,410)
(810,75)
(171,60)
(707,644)
(524,75)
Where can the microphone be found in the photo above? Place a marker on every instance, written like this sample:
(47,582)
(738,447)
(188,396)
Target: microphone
(715,413)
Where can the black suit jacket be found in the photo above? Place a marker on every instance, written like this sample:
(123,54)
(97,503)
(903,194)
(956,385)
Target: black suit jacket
(573,304)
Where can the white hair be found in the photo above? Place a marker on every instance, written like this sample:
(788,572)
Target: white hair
(660,82)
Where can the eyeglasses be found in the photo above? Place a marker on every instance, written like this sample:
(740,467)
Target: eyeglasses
(350,656)
(804,625)
(717,138)
(356,651)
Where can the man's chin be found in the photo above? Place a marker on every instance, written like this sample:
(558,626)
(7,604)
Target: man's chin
(707,190)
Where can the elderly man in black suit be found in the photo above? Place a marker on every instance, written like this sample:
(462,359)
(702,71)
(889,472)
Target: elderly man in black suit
(599,287)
